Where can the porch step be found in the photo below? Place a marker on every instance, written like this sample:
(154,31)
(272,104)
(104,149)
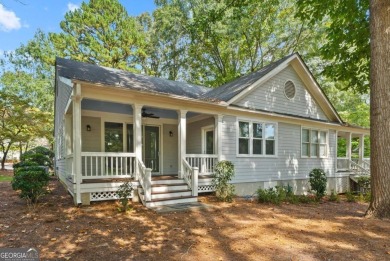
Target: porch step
(169,194)
(167,181)
(170,201)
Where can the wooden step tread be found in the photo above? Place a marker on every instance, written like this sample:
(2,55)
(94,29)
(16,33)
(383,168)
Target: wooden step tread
(172,198)
(173,191)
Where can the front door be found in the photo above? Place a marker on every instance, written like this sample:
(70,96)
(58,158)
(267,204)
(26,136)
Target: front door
(208,140)
(152,148)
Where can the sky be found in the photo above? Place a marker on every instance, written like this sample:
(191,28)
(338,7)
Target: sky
(20,19)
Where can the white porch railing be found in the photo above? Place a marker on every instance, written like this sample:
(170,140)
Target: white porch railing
(358,169)
(145,179)
(97,165)
(204,162)
(343,164)
(190,176)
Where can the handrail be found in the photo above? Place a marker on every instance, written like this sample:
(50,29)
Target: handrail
(355,167)
(201,155)
(145,179)
(108,154)
(190,176)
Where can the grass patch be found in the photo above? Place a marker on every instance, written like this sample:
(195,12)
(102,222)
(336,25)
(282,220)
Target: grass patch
(5,178)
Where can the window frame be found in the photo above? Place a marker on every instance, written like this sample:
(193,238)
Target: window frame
(251,138)
(319,144)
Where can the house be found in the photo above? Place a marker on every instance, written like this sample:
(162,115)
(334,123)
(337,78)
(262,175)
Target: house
(274,124)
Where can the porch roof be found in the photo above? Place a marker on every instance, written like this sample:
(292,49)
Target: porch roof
(86,72)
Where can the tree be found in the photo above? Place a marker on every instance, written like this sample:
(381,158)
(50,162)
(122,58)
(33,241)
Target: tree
(380,108)
(100,32)
(19,122)
(349,41)
(346,45)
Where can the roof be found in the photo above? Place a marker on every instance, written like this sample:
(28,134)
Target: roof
(113,77)
(231,89)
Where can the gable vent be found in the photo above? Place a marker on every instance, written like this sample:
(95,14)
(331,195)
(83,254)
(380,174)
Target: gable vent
(289,89)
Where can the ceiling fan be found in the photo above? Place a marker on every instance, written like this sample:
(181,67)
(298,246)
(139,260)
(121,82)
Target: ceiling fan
(148,115)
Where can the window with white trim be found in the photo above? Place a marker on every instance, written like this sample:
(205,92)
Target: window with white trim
(314,143)
(256,138)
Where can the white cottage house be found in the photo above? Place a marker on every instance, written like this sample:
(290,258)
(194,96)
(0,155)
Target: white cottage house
(274,124)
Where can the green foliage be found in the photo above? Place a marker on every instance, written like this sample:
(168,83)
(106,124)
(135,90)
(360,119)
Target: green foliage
(279,194)
(334,197)
(31,181)
(124,192)
(23,164)
(40,155)
(346,41)
(364,183)
(223,174)
(317,180)
(350,196)
(100,32)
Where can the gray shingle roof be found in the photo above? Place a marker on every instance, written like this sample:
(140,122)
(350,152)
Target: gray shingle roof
(229,90)
(98,74)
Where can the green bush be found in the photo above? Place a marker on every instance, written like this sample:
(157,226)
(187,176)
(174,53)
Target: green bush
(31,181)
(350,196)
(40,155)
(364,183)
(223,174)
(317,180)
(25,164)
(334,197)
(124,192)
(276,195)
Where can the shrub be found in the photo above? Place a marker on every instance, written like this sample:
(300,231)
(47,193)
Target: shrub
(364,183)
(124,193)
(317,180)
(31,181)
(334,197)
(224,172)
(350,196)
(276,195)
(40,155)
(25,164)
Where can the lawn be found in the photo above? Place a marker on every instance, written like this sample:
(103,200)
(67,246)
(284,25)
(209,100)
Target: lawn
(242,230)
(5,175)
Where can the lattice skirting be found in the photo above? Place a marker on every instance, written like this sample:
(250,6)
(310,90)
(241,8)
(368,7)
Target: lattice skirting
(105,195)
(206,188)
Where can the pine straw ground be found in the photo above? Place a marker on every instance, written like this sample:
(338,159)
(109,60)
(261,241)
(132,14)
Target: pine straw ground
(241,230)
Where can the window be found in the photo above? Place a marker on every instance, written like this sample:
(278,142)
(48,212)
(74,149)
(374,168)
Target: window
(256,138)
(289,90)
(314,143)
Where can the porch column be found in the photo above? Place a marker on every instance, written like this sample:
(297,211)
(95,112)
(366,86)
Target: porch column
(361,149)
(349,147)
(218,136)
(137,130)
(77,140)
(182,128)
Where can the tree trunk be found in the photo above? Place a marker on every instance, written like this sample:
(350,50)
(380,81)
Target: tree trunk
(380,108)
(4,159)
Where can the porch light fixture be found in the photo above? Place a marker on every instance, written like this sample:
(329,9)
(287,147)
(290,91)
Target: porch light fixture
(170,134)
(89,128)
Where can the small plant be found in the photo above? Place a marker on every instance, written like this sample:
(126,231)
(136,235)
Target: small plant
(350,196)
(276,195)
(224,172)
(317,180)
(334,197)
(364,183)
(124,192)
(32,182)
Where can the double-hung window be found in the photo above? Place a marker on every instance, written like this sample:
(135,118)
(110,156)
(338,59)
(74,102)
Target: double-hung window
(256,138)
(314,143)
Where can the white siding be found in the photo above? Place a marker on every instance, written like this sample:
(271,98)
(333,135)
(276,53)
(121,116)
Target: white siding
(270,96)
(91,140)
(63,93)
(194,135)
(170,149)
(288,164)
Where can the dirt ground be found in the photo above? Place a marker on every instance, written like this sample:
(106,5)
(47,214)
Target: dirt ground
(242,230)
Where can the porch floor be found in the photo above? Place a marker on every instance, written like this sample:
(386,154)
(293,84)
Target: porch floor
(154,178)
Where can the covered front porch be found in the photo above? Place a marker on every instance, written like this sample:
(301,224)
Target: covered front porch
(108,142)
(353,153)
